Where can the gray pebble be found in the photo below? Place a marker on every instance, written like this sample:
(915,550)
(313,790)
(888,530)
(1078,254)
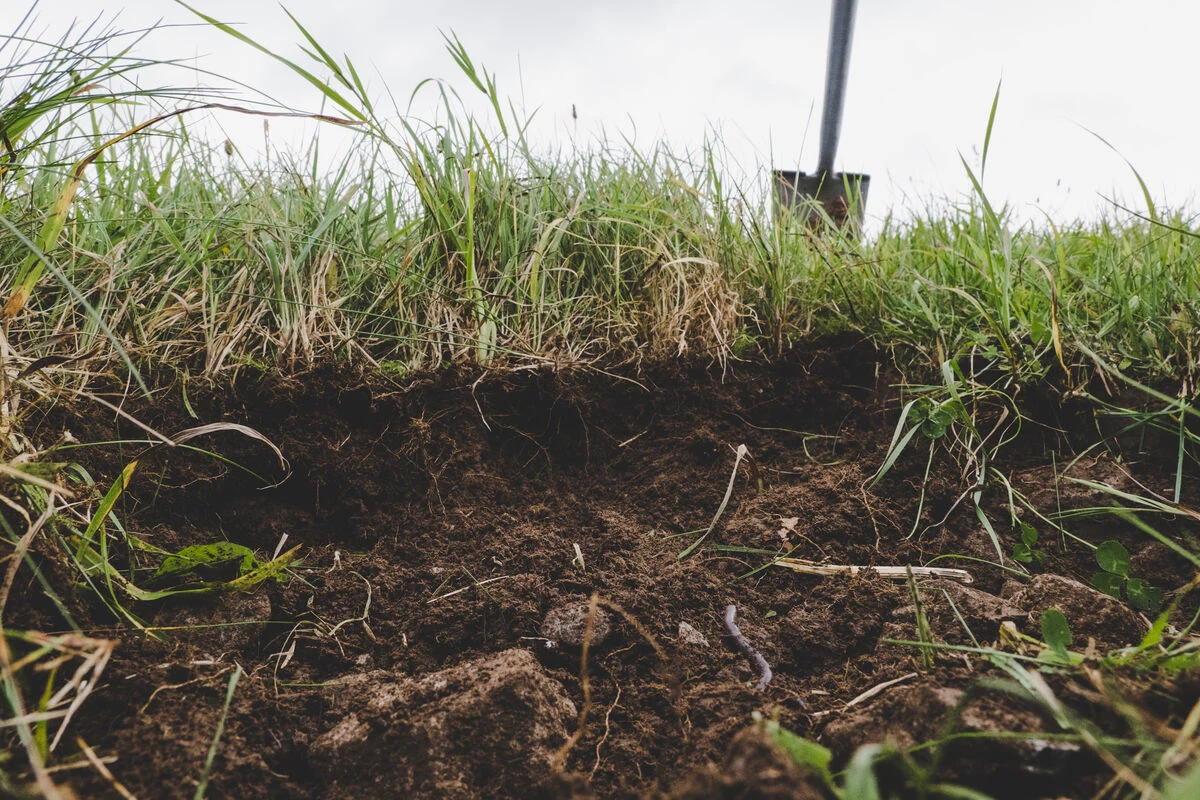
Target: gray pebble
(688,634)
(566,623)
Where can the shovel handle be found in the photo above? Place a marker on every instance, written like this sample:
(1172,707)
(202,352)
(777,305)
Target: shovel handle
(841,31)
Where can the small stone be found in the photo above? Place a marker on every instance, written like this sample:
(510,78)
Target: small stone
(688,634)
(566,624)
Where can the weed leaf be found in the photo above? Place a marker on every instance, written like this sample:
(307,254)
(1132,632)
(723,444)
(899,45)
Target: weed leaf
(1057,634)
(803,752)
(1143,596)
(1155,634)
(1113,557)
(861,783)
(1108,583)
(199,557)
(272,569)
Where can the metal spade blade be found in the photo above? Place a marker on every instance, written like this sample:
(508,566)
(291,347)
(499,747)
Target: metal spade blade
(841,195)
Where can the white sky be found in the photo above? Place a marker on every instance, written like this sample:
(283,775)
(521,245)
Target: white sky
(922,77)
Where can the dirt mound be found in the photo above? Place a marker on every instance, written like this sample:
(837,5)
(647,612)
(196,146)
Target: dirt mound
(486,727)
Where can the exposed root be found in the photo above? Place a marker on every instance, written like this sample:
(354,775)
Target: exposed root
(559,761)
(607,730)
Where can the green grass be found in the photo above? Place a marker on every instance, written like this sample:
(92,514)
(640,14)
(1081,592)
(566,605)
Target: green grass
(461,240)
(131,247)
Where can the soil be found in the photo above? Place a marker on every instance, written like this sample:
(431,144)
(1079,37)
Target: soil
(438,638)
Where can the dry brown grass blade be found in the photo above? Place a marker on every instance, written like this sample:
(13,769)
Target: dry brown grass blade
(50,652)
(104,771)
(203,430)
(892,573)
(21,475)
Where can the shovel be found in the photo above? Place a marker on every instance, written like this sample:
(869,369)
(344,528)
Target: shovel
(840,195)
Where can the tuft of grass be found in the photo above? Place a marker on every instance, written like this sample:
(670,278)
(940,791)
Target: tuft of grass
(457,240)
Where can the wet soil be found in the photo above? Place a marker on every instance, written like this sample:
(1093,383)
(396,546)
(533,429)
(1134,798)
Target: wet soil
(455,527)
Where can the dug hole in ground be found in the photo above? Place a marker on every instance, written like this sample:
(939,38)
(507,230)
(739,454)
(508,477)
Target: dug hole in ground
(454,529)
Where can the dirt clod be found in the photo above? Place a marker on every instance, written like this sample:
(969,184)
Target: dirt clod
(567,625)
(483,728)
(690,635)
(1089,612)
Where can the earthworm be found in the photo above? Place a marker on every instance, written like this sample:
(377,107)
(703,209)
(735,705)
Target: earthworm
(748,650)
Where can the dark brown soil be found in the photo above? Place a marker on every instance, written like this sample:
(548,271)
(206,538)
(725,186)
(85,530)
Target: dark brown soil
(443,519)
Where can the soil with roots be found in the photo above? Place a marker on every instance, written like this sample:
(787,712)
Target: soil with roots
(464,535)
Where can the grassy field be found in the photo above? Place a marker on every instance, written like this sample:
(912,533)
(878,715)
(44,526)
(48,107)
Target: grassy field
(135,253)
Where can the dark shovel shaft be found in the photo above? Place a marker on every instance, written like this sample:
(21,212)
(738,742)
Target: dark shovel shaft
(841,30)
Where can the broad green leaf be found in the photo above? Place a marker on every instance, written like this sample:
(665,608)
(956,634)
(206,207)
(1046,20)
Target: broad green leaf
(1143,596)
(939,421)
(1113,557)
(919,410)
(1029,534)
(803,752)
(197,556)
(809,755)
(955,408)
(1056,633)
(1155,634)
(1039,332)
(1183,662)
(1108,583)
(861,783)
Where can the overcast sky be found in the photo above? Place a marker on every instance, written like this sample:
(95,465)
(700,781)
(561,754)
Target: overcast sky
(922,78)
